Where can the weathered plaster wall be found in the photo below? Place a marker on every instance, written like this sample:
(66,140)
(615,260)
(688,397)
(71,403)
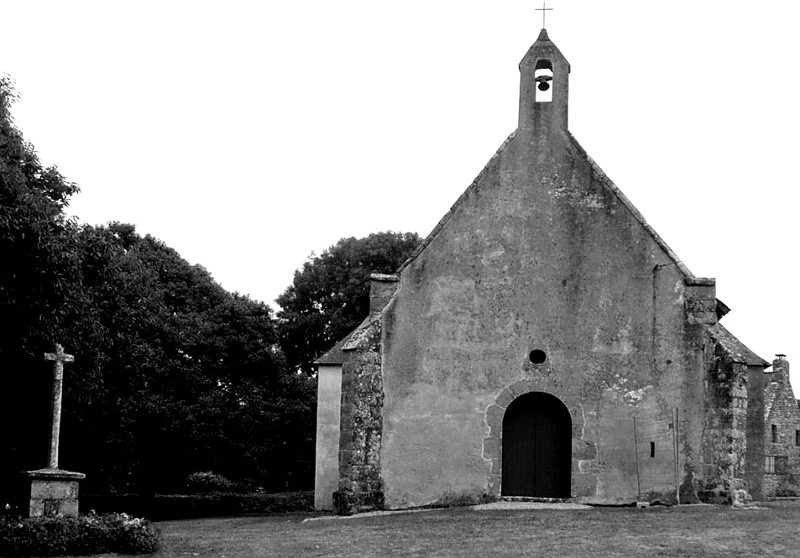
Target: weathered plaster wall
(783,413)
(540,253)
(329,396)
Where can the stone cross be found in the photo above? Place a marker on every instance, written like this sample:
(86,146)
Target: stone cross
(60,357)
(544,9)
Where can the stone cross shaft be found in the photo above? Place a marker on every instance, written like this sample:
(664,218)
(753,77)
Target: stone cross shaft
(60,357)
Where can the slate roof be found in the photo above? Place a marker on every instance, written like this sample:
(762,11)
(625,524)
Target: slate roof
(360,335)
(774,389)
(734,347)
(349,342)
(335,355)
(770,395)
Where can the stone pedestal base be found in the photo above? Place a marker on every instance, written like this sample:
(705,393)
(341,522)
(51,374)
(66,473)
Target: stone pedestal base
(53,492)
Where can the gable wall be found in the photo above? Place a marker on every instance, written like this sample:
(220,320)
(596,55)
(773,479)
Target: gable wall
(782,412)
(538,254)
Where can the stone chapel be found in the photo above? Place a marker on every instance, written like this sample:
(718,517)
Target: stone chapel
(543,341)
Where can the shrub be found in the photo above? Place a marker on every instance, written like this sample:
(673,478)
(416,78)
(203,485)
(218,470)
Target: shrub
(89,534)
(208,481)
(182,506)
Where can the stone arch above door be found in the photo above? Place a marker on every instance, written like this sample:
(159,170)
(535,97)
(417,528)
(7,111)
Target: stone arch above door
(492,444)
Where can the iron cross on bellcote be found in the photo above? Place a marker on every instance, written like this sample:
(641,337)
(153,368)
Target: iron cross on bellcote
(60,357)
(544,9)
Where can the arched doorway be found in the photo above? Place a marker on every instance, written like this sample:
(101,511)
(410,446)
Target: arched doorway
(537,447)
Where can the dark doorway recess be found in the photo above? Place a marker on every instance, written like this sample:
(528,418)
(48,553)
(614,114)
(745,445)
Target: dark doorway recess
(537,447)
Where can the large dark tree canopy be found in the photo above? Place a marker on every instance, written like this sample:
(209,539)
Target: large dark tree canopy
(37,242)
(172,375)
(329,296)
(186,376)
(39,294)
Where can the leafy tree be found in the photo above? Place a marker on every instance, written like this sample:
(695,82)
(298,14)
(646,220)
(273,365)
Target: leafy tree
(186,376)
(37,246)
(329,296)
(39,286)
(172,375)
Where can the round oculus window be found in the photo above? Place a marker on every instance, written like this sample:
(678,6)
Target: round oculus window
(537,356)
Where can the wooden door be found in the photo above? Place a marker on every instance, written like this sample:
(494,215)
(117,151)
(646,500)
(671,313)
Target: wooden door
(537,447)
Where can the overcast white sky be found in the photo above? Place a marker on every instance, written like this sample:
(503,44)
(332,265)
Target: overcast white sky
(248,134)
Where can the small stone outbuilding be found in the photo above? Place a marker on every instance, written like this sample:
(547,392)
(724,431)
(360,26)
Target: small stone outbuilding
(782,433)
(543,341)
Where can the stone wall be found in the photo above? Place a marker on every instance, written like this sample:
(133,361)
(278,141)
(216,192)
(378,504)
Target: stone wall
(724,434)
(781,434)
(360,484)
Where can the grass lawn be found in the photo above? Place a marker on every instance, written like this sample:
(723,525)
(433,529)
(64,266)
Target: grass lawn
(690,531)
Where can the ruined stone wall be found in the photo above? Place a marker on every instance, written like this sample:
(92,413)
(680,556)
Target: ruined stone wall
(724,434)
(781,434)
(699,299)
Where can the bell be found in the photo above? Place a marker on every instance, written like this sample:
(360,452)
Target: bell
(544,86)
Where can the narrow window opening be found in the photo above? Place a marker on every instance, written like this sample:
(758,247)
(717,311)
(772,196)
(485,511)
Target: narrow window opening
(774,430)
(797,437)
(652,449)
(543,75)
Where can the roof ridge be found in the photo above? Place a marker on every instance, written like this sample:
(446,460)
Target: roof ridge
(443,221)
(608,183)
(741,352)
(771,394)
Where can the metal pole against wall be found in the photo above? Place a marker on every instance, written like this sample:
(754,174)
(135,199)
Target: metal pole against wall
(636,451)
(677,455)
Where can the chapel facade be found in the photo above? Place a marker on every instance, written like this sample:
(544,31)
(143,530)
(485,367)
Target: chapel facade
(543,341)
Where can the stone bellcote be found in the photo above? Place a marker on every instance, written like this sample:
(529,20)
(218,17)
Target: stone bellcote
(544,89)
